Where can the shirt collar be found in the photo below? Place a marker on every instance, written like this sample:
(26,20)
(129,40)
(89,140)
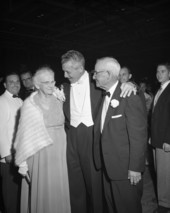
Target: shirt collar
(163,86)
(8,93)
(112,89)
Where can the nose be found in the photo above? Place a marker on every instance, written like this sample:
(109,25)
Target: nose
(94,76)
(65,75)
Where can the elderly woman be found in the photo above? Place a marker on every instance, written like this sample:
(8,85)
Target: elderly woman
(41,148)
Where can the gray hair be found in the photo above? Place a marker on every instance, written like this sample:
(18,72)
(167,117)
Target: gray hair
(41,71)
(73,55)
(112,65)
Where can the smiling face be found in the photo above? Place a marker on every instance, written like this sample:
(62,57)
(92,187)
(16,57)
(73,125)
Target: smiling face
(73,70)
(124,75)
(45,82)
(162,74)
(106,72)
(12,84)
(101,75)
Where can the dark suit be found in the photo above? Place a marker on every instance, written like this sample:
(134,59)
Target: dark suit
(123,146)
(84,180)
(160,134)
(160,122)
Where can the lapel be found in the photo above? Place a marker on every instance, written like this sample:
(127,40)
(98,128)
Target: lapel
(95,98)
(163,95)
(66,105)
(111,111)
(97,123)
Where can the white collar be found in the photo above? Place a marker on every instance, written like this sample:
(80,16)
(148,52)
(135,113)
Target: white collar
(112,89)
(164,85)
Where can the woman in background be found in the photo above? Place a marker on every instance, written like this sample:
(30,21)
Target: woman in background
(41,148)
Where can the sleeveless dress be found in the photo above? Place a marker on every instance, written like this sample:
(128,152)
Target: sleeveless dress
(48,191)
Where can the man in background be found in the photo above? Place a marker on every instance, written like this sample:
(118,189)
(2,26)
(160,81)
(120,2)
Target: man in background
(160,137)
(28,87)
(10,105)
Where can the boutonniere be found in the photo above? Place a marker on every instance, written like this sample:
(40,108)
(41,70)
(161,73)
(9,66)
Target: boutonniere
(59,93)
(114,103)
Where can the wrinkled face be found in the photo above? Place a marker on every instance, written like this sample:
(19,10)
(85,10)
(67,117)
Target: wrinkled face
(124,75)
(46,83)
(101,75)
(162,74)
(12,84)
(73,70)
(27,80)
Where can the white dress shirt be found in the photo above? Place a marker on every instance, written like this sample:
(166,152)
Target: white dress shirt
(80,103)
(9,107)
(106,104)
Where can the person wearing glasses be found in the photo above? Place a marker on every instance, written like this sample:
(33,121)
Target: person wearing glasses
(83,100)
(41,148)
(120,140)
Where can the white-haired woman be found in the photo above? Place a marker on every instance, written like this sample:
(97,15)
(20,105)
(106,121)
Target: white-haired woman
(41,148)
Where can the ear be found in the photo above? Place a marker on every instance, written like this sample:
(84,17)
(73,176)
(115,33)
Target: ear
(130,76)
(81,69)
(5,85)
(109,75)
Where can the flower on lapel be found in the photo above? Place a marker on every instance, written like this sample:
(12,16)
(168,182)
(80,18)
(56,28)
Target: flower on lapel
(114,103)
(59,93)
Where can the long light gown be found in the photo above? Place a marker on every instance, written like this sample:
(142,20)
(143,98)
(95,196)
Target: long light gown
(49,189)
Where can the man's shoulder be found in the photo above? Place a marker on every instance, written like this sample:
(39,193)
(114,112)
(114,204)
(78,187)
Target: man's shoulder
(4,97)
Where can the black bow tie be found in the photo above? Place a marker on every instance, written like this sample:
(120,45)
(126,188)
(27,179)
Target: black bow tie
(106,94)
(15,96)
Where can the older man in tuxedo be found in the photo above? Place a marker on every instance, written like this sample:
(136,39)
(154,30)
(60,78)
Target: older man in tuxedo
(120,141)
(81,107)
(10,104)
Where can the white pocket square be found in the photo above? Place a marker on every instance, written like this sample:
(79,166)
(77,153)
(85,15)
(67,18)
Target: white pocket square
(116,116)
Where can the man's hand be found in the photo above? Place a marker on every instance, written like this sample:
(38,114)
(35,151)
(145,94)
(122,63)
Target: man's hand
(166,147)
(134,177)
(127,88)
(8,159)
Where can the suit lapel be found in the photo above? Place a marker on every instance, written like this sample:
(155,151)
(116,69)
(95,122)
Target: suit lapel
(98,119)
(164,94)
(67,102)
(111,110)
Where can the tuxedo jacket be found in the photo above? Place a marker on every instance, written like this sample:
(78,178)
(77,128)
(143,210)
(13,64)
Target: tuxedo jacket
(124,137)
(160,121)
(95,98)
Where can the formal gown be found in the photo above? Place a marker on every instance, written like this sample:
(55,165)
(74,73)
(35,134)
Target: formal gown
(48,191)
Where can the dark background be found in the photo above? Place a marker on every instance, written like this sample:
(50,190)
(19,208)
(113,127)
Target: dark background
(37,32)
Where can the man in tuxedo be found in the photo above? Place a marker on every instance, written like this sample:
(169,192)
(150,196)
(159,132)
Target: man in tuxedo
(9,115)
(120,140)
(160,137)
(81,107)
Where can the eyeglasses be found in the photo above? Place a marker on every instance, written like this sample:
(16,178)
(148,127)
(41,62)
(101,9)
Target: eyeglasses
(48,82)
(95,73)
